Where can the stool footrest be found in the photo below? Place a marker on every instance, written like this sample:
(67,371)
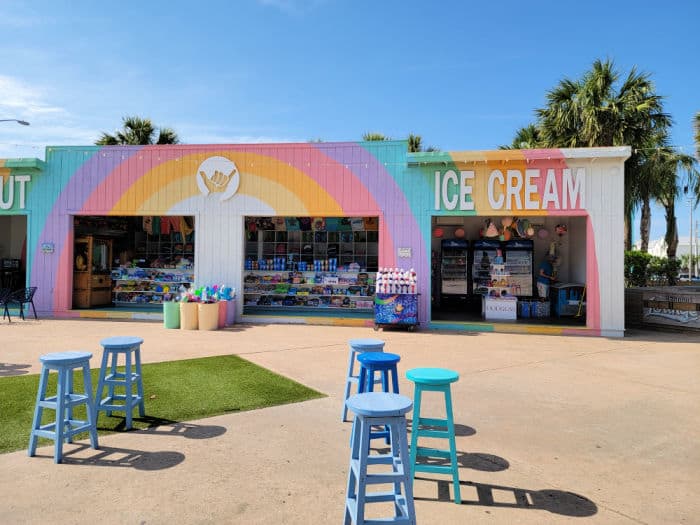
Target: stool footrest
(432,422)
(70,400)
(436,469)
(432,452)
(119,378)
(76,427)
(422,432)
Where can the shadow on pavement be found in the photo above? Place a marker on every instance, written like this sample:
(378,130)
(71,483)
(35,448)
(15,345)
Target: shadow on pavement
(555,501)
(9,369)
(168,427)
(120,457)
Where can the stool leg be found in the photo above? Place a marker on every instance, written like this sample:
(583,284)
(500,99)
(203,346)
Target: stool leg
(111,386)
(365,428)
(394,431)
(385,379)
(348,384)
(352,476)
(408,478)
(361,386)
(90,405)
(38,410)
(100,385)
(415,425)
(139,383)
(128,407)
(60,416)
(395,380)
(69,408)
(453,447)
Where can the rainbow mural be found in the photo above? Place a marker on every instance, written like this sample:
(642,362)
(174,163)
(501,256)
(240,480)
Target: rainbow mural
(322,179)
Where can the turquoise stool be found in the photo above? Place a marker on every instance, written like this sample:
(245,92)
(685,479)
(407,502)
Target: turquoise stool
(434,380)
(357,346)
(384,409)
(64,427)
(113,348)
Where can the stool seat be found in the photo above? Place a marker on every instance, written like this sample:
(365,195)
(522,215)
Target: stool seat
(368,344)
(65,358)
(379,359)
(121,342)
(432,376)
(379,404)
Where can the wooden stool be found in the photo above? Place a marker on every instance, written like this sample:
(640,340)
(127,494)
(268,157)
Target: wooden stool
(113,347)
(64,427)
(357,346)
(434,380)
(385,409)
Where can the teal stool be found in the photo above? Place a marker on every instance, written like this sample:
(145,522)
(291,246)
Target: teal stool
(434,380)
(64,427)
(130,347)
(380,409)
(357,347)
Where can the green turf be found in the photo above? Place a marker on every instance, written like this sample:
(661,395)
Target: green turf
(174,391)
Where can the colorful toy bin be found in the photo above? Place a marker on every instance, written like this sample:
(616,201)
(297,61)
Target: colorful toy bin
(171,314)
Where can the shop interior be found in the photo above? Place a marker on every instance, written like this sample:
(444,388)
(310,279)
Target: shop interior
(486,269)
(131,262)
(316,265)
(13,249)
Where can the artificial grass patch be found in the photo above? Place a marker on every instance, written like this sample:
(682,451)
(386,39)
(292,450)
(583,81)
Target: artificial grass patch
(174,391)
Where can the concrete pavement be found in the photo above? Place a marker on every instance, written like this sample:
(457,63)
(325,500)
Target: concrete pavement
(550,430)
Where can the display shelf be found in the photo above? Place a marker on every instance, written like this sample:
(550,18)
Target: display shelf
(145,282)
(176,243)
(308,290)
(353,245)
(453,267)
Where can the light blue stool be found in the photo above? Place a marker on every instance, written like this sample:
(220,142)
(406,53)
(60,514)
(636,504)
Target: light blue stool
(434,380)
(357,346)
(384,409)
(130,347)
(64,427)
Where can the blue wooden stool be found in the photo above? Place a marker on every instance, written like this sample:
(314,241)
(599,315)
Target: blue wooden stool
(379,408)
(113,347)
(434,380)
(385,364)
(357,346)
(64,427)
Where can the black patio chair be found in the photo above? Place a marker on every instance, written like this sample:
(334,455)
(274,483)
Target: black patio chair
(20,298)
(5,294)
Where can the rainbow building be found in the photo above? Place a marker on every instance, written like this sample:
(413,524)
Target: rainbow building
(292,226)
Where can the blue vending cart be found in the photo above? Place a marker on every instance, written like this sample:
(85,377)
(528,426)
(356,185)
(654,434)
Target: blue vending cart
(396,309)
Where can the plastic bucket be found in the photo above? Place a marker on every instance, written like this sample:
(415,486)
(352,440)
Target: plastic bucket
(222,314)
(208,316)
(230,312)
(171,315)
(189,319)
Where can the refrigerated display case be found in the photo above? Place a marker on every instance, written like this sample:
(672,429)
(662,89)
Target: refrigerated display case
(484,252)
(454,267)
(518,255)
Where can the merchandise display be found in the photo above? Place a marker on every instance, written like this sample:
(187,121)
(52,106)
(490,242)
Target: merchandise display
(297,289)
(396,301)
(149,286)
(454,274)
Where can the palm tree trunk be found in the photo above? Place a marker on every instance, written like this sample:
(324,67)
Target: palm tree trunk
(671,230)
(645,225)
(628,232)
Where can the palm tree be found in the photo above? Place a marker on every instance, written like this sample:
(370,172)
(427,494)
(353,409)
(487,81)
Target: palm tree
(662,166)
(138,131)
(414,143)
(374,137)
(595,111)
(525,138)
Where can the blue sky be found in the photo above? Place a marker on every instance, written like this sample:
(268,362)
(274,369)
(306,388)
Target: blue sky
(463,75)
